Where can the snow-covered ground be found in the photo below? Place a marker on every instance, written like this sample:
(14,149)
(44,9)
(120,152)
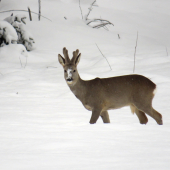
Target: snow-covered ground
(44,127)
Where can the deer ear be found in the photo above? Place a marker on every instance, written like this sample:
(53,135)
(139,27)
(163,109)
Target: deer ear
(61,60)
(77,59)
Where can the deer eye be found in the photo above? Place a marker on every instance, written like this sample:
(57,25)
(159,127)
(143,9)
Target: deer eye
(74,71)
(65,71)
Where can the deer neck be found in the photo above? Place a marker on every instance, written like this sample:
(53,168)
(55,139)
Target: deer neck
(78,88)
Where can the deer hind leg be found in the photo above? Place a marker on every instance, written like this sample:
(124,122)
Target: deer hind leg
(105,117)
(158,116)
(141,115)
(148,109)
(154,114)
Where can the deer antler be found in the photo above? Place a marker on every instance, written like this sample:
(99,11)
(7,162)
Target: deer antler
(75,54)
(65,52)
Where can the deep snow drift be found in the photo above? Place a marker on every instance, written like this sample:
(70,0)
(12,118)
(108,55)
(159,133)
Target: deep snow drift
(44,127)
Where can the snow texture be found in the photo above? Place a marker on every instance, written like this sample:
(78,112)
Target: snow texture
(8,32)
(24,36)
(42,124)
(17,18)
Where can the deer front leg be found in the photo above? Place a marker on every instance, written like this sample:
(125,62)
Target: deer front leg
(105,117)
(95,115)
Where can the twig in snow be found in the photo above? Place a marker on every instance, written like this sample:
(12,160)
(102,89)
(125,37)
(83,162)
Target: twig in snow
(20,61)
(102,24)
(135,52)
(90,9)
(104,56)
(80,10)
(51,67)
(105,27)
(29,11)
(39,15)
(96,20)
(25,63)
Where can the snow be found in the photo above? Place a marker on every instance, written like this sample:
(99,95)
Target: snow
(13,19)
(42,124)
(9,32)
(10,19)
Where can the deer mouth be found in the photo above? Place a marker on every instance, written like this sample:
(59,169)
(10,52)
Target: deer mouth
(69,80)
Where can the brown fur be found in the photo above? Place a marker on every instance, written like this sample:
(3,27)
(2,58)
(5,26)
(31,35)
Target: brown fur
(100,95)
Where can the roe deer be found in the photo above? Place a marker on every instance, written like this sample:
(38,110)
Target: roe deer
(101,94)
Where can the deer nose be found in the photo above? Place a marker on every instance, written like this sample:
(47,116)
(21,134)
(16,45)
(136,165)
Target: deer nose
(69,79)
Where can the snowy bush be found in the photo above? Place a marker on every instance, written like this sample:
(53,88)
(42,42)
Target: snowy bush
(16,18)
(8,34)
(13,30)
(24,36)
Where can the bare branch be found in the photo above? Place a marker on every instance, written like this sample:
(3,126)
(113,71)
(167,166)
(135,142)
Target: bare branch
(101,25)
(51,67)
(80,10)
(39,15)
(29,11)
(105,25)
(25,11)
(20,62)
(104,57)
(135,52)
(102,20)
(90,9)
(25,63)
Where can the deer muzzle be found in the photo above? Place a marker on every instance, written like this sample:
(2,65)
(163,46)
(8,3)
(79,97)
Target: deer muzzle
(69,79)
(69,76)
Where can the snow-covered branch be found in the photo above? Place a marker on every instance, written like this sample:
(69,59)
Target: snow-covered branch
(26,11)
(13,30)
(8,34)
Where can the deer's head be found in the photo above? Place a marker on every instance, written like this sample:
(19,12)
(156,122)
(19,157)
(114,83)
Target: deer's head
(70,66)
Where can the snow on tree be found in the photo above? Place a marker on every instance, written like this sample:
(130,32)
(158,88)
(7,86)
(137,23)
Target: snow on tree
(8,34)
(20,18)
(17,18)
(10,19)
(24,36)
